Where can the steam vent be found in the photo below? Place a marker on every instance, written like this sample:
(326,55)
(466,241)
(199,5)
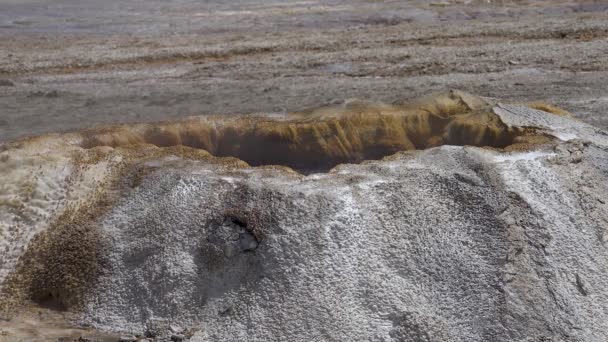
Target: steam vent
(448,218)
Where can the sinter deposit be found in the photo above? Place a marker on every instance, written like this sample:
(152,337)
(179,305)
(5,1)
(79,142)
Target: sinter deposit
(450,218)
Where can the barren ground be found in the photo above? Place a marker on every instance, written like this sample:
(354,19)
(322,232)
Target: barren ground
(74,64)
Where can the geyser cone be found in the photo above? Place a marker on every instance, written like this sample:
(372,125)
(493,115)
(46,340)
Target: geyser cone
(138,228)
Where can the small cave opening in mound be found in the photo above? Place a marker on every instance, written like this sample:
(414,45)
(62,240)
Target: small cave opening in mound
(247,241)
(319,139)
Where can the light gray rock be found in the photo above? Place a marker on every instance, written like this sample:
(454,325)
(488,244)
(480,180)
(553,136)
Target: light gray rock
(176,329)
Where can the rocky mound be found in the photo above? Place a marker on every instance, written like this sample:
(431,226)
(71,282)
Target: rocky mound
(481,221)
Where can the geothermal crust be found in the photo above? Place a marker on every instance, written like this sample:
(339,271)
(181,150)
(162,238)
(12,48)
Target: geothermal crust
(484,221)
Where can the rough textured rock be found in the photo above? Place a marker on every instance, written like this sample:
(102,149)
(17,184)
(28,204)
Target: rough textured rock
(451,243)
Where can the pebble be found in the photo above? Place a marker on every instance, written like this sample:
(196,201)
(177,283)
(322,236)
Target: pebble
(176,329)
(178,338)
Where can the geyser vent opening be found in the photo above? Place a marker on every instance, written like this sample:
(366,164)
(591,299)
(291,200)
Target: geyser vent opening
(318,140)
